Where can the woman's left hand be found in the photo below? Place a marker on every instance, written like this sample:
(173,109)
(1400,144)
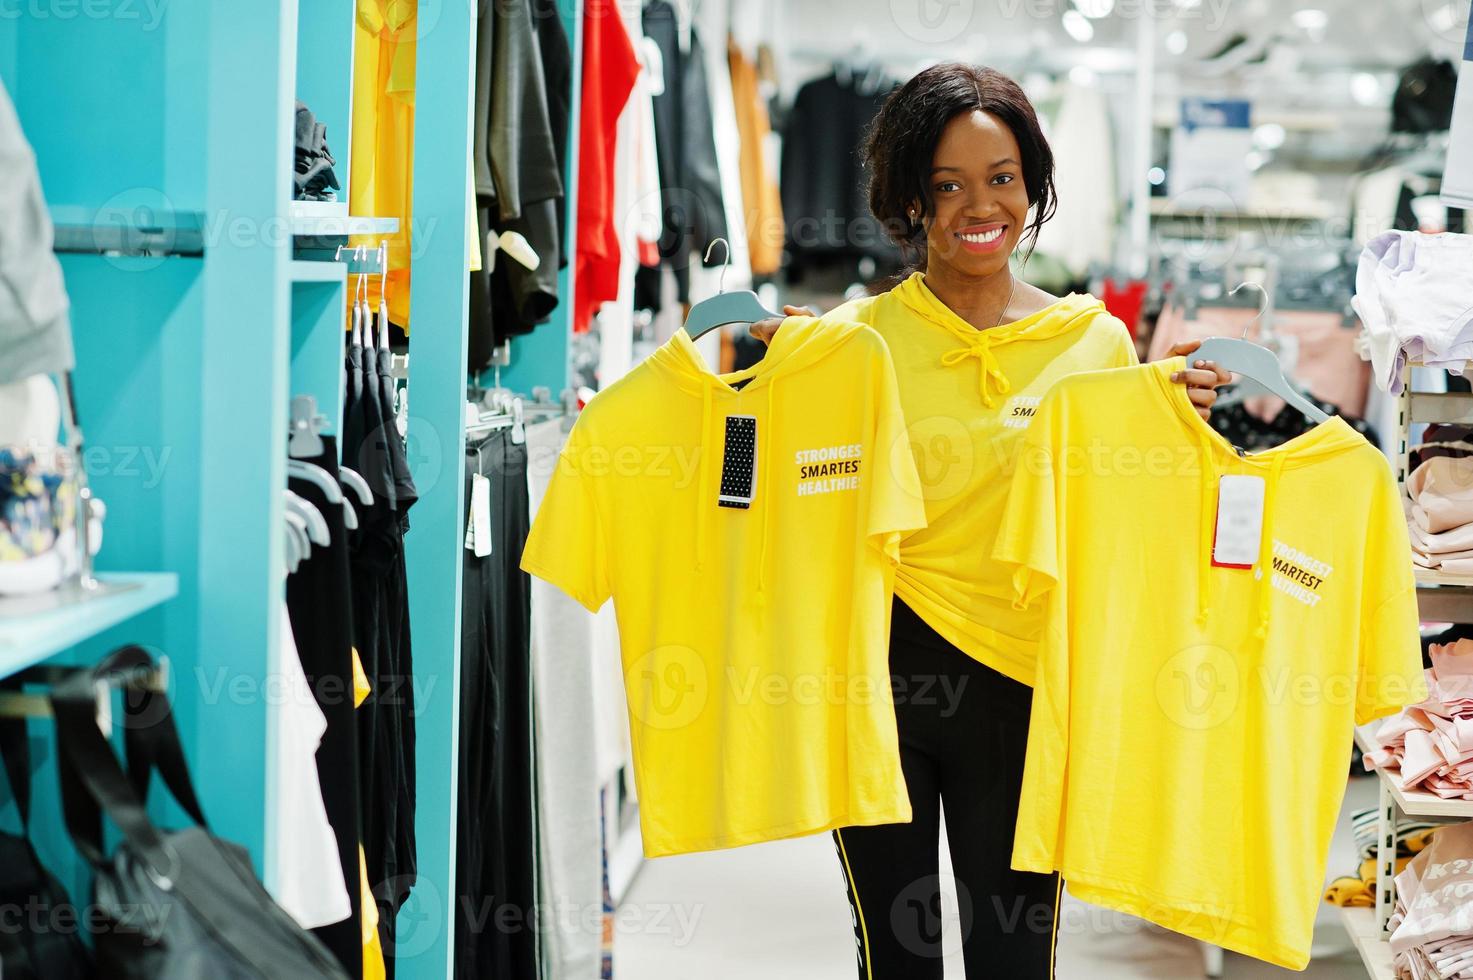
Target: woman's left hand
(1201,377)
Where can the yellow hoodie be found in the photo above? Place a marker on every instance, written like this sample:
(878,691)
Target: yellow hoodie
(968,396)
(1189,737)
(754,639)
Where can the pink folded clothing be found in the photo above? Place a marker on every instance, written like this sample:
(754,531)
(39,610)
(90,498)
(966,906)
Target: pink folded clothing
(1433,933)
(1456,566)
(1456,542)
(1442,490)
(1430,745)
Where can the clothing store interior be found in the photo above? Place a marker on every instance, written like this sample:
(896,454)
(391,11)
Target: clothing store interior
(434,539)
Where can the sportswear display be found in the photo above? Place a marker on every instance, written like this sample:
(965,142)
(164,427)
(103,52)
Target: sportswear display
(1189,740)
(747,527)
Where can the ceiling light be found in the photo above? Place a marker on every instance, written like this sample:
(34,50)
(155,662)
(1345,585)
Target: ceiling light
(1078,26)
(1365,89)
(1269,136)
(1176,42)
(1095,8)
(1311,19)
(1156,176)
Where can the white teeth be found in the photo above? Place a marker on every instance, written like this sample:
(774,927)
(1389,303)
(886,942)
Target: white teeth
(982,238)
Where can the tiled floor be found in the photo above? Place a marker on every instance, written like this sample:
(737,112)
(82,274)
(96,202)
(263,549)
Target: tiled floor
(777,912)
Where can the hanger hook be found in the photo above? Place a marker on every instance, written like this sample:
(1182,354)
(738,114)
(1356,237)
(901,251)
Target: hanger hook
(720,283)
(383,271)
(1262,303)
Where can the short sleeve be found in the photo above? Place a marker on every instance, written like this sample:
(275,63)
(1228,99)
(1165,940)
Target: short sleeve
(1125,353)
(567,545)
(1028,538)
(1389,674)
(897,504)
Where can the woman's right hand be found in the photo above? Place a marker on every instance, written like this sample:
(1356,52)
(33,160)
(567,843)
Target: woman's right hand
(763,330)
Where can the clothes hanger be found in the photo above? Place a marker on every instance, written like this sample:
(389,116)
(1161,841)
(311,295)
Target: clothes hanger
(357,310)
(1256,363)
(298,545)
(306,423)
(739,306)
(355,482)
(383,301)
(315,474)
(317,530)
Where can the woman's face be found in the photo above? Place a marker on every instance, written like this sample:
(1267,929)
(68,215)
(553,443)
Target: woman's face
(981,205)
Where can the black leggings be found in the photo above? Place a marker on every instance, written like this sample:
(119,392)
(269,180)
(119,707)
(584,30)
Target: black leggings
(963,733)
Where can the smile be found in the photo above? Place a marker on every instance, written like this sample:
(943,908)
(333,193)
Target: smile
(983,237)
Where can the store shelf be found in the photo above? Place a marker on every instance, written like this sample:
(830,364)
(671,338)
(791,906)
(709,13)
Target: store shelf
(1184,207)
(1413,803)
(133,230)
(1375,952)
(29,638)
(1431,576)
(331,218)
(305,270)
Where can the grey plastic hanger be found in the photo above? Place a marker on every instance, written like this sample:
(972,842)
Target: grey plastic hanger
(740,306)
(353,481)
(383,300)
(313,473)
(1256,363)
(317,530)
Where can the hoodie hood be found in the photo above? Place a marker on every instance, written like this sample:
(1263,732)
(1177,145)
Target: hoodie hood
(1070,313)
(799,342)
(1220,456)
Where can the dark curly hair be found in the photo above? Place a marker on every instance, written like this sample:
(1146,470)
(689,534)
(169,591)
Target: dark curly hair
(902,143)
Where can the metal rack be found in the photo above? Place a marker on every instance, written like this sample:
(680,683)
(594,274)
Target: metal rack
(1440,597)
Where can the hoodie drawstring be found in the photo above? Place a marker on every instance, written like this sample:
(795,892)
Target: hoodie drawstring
(980,347)
(1265,549)
(1210,480)
(702,502)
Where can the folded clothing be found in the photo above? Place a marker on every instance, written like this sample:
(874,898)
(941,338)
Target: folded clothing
(1433,935)
(1431,744)
(1411,294)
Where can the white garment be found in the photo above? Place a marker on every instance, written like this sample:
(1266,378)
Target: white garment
(1457,175)
(1082,230)
(636,201)
(569,880)
(309,877)
(1414,295)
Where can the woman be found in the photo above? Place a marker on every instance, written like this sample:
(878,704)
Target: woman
(956,160)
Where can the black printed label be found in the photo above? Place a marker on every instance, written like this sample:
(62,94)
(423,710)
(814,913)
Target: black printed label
(739,462)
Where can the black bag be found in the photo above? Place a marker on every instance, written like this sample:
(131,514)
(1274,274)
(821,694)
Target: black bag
(43,941)
(170,905)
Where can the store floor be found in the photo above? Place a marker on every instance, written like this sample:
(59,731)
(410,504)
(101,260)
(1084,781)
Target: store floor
(777,912)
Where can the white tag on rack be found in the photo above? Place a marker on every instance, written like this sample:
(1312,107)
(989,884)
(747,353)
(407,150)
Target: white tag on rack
(1239,531)
(481,514)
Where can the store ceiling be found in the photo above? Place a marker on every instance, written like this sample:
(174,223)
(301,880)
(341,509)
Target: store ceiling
(1276,37)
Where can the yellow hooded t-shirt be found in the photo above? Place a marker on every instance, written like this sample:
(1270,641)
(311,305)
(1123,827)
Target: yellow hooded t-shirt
(1191,722)
(968,395)
(755,640)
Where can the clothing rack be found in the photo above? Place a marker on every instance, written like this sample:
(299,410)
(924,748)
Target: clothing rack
(16,703)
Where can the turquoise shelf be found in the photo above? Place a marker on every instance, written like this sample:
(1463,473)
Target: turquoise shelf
(306,270)
(320,218)
(29,639)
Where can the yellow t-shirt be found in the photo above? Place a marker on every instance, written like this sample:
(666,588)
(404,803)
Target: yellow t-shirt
(1191,724)
(967,395)
(754,640)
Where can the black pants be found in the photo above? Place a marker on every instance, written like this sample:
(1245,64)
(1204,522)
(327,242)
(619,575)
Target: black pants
(963,735)
(496,835)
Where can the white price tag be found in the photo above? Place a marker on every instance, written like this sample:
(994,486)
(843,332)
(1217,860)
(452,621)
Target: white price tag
(1239,521)
(481,515)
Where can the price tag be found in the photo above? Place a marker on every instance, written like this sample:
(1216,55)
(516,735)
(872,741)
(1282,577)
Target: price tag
(1239,521)
(481,515)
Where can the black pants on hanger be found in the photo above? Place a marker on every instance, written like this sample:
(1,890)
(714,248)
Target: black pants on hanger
(496,886)
(319,602)
(963,735)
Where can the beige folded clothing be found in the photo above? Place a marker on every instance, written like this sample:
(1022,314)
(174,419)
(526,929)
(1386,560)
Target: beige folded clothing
(1442,493)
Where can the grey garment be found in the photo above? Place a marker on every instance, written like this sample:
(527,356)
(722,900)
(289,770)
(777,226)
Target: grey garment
(515,155)
(35,325)
(570,886)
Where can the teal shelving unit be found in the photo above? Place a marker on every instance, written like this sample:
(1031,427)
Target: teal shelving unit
(165,152)
(30,638)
